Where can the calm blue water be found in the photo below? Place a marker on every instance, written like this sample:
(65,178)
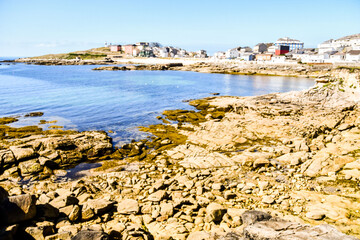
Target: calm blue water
(82,99)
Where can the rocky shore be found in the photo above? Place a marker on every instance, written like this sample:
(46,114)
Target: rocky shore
(277,166)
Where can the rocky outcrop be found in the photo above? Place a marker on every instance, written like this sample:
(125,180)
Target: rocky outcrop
(38,155)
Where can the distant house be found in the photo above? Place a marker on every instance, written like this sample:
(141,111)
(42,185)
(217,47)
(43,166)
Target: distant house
(315,58)
(260,48)
(271,49)
(292,43)
(115,48)
(128,49)
(220,55)
(232,53)
(245,49)
(201,54)
(281,50)
(247,56)
(337,57)
(278,59)
(353,56)
(263,57)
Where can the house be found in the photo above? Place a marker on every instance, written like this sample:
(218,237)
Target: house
(201,54)
(292,43)
(220,55)
(347,42)
(278,59)
(271,49)
(128,49)
(353,56)
(136,51)
(315,58)
(232,53)
(245,49)
(247,56)
(337,57)
(281,50)
(260,48)
(115,48)
(263,57)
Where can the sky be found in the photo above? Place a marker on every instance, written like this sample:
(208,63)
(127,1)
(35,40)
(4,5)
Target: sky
(37,27)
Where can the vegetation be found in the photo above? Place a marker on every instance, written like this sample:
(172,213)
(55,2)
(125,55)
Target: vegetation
(84,56)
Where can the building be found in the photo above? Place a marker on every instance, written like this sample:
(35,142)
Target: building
(281,50)
(263,57)
(232,53)
(220,55)
(260,48)
(271,49)
(201,54)
(351,42)
(247,56)
(278,59)
(315,58)
(337,57)
(353,56)
(128,49)
(115,48)
(292,43)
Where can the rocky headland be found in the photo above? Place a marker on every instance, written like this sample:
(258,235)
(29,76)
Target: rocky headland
(277,166)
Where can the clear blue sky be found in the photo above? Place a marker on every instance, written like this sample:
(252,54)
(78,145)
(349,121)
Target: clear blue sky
(35,27)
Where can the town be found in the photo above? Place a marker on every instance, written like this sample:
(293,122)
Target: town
(342,50)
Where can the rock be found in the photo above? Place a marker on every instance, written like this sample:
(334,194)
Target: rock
(261,162)
(59,236)
(128,206)
(315,215)
(9,232)
(87,213)
(100,206)
(7,158)
(90,235)
(18,209)
(199,236)
(268,200)
(229,195)
(22,153)
(253,216)
(3,195)
(30,167)
(166,209)
(217,186)
(280,229)
(157,196)
(63,201)
(42,230)
(47,211)
(214,212)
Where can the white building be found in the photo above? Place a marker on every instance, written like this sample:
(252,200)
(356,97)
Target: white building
(271,49)
(292,43)
(232,53)
(337,57)
(351,42)
(315,58)
(353,56)
(278,59)
(247,56)
(220,55)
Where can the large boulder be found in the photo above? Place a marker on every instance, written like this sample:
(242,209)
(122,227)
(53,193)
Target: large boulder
(253,216)
(17,209)
(214,212)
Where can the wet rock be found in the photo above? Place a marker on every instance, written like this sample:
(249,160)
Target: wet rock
(128,206)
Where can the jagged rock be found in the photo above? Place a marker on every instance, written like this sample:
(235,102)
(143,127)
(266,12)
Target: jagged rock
(199,236)
(47,211)
(18,208)
(22,153)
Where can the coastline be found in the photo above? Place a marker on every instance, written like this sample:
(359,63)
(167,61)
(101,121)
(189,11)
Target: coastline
(232,155)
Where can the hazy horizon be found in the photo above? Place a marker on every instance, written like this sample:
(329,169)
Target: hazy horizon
(30,28)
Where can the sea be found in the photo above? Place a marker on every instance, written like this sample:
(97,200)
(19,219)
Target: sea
(76,97)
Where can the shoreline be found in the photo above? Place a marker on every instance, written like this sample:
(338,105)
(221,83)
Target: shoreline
(281,153)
